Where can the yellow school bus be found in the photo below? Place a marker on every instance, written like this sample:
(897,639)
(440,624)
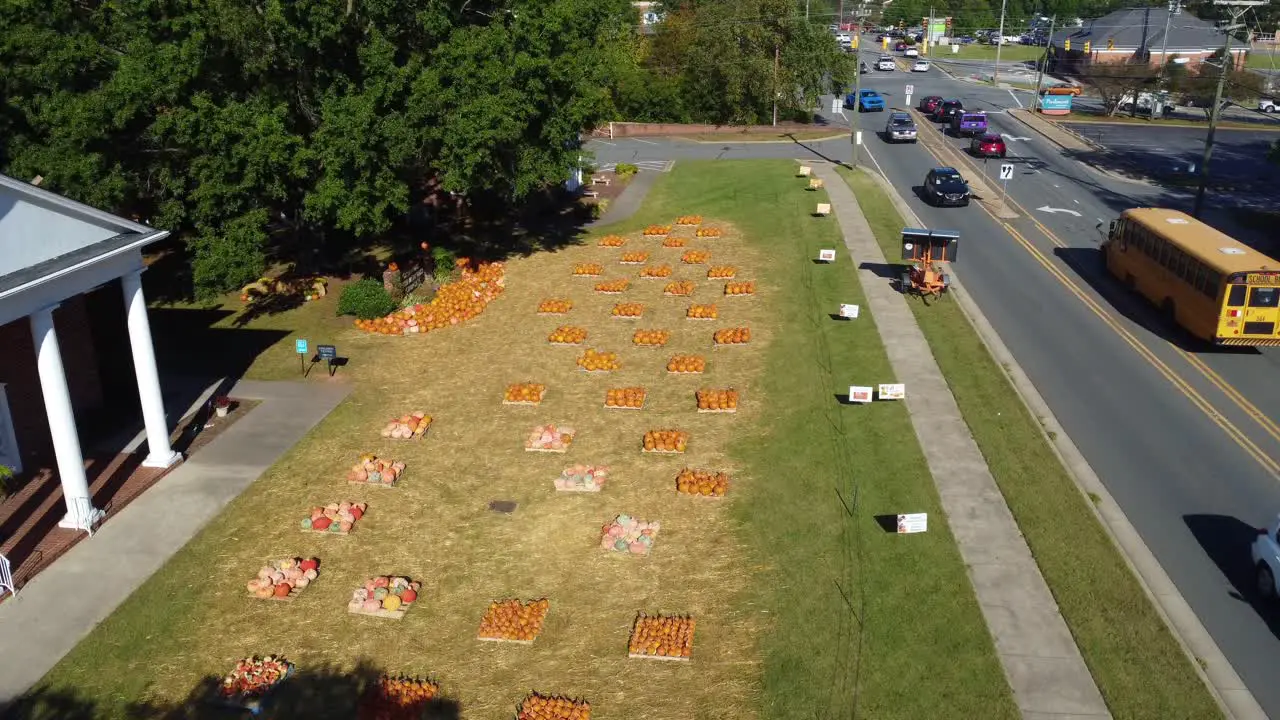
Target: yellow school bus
(1216,287)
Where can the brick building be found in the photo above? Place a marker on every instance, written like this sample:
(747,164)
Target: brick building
(1136,33)
(75,341)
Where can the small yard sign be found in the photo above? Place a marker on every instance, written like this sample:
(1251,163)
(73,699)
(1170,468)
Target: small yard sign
(859,394)
(896,391)
(827,255)
(913,523)
(848,311)
(300,347)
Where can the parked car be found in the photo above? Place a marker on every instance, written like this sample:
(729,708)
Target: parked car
(868,101)
(863,68)
(886,63)
(1064,89)
(920,66)
(844,38)
(911,52)
(1266,559)
(900,128)
(944,186)
(988,145)
(946,109)
(929,103)
(968,124)
(1267,105)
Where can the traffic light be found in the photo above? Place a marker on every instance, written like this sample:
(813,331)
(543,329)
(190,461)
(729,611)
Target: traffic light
(1066,45)
(1111,44)
(1087,47)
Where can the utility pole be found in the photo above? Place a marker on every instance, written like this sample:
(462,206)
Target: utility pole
(840,20)
(1237,8)
(775,84)
(995,74)
(928,34)
(806,10)
(857,91)
(1175,8)
(1053,21)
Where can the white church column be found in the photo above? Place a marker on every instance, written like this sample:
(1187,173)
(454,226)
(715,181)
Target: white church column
(62,421)
(160,454)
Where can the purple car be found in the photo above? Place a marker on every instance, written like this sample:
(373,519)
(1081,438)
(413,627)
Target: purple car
(968,123)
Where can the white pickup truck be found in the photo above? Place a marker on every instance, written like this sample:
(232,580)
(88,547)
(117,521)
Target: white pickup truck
(1266,559)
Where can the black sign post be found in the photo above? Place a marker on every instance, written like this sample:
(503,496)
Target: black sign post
(328,353)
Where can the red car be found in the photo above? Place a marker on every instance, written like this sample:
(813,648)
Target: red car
(988,145)
(900,46)
(929,103)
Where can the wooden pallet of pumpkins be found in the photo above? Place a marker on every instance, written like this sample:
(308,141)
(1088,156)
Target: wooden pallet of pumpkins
(673,242)
(582,478)
(627,311)
(553,707)
(613,287)
(708,232)
(555,306)
(549,438)
(397,698)
(384,596)
(702,312)
(625,398)
(283,579)
(338,518)
(661,637)
(513,621)
(372,470)
(679,288)
(689,220)
(717,400)
(731,337)
(634,258)
(596,361)
(655,230)
(524,394)
(702,483)
(412,426)
(686,365)
(614,241)
(626,534)
(665,442)
(722,272)
(655,272)
(741,288)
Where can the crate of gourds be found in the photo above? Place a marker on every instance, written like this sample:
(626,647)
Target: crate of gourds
(549,438)
(567,335)
(650,338)
(703,483)
(686,365)
(283,579)
(626,534)
(732,336)
(668,442)
(397,698)
(661,637)
(695,257)
(513,621)
(384,596)
(627,398)
(657,230)
(689,220)
(673,242)
(708,232)
(587,269)
(628,311)
(721,272)
(634,258)
(653,272)
(717,401)
(407,427)
(582,478)
(553,707)
(739,289)
(251,680)
(371,470)
(599,362)
(524,394)
(555,306)
(613,287)
(679,288)
(612,241)
(338,518)
(702,312)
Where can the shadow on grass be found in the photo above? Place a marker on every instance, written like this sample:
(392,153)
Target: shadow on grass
(187,343)
(323,693)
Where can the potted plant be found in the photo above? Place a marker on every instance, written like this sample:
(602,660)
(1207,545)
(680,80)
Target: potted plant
(222,405)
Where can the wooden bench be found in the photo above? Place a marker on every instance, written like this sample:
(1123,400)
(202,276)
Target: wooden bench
(599,180)
(590,193)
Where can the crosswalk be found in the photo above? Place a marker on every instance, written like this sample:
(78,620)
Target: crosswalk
(650,165)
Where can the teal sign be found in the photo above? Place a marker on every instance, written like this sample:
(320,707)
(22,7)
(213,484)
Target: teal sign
(300,346)
(1061,103)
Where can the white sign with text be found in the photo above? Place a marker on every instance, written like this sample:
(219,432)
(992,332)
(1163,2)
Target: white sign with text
(827,255)
(897,391)
(848,311)
(859,394)
(913,523)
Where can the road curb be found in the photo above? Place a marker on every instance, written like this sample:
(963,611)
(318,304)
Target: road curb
(1233,698)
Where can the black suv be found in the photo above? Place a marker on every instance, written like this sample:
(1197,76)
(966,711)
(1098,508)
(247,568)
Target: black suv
(945,109)
(944,186)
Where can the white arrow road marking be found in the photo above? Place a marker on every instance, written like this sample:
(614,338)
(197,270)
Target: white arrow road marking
(1015,98)
(1015,137)
(1052,210)
(646,142)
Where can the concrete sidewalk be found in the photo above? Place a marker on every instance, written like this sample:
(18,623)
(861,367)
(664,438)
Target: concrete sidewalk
(62,604)
(627,203)
(1040,659)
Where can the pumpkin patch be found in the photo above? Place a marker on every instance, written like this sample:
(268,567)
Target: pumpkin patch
(384,596)
(661,637)
(745,287)
(582,478)
(702,482)
(596,361)
(689,220)
(721,272)
(628,398)
(695,257)
(665,441)
(687,364)
(630,311)
(613,287)
(554,306)
(702,312)
(397,698)
(673,242)
(338,518)
(549,438)
(656,271)
(612,241)
(708,232)
(732,336)
(547,707)
(567,335)
(650,338)
(657,230)
(370,470)
(679,288)
(254,677)
(634,258)
(454,303)
(525,393)
(626,534)
(718,401)
(513,621)
(283,579)
(587,269)
(407,427)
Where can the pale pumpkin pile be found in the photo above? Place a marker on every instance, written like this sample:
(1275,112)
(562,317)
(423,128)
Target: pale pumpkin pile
(687,364)
(629,535)
(665,441)
(567,335)
(709,232)
(656,271)
(634,258)
(702,482)
(513,620)
(613,287)
(695,257)
(284,578)
(384,594)
(582,478)
(407,427)
(661,636)
(596,361)
(254,677)
(702,312)
(587,269)
(673,242)
(549,438)
(718,400)
(339,518)
(680,288)
(555,306)
(455,302)
(651,338)
(397,698)
(628,310)
(547,707)
(733,336)
(745,287)
(689,220)
(525,393)
(657,230)
(374,471)
(627,397)
(612,241)
(721,272)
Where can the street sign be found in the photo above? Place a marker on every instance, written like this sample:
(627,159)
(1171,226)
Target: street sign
(300,346)
(910,90)
(1006,172)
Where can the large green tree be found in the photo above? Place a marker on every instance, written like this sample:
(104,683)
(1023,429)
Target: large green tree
(243,125)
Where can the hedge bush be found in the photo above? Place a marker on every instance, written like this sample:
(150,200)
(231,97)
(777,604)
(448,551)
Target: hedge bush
(366,299)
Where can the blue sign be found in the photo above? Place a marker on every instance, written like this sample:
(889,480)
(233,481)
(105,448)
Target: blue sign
(1060,103)
(300,346)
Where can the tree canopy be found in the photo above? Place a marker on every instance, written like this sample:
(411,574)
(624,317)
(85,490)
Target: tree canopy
(241,124)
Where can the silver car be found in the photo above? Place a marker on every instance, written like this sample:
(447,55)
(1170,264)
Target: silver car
(900,128)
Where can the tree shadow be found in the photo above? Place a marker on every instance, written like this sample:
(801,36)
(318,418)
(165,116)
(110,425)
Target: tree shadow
(322,693)
(188,343)
(1226,540)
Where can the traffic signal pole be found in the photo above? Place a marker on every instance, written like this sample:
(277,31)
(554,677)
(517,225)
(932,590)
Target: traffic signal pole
(995,74)
(857,91)
(1053,21)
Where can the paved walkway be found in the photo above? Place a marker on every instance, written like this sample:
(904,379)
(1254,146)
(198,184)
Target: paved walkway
(632,197)
(1040,659)
(61,605)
